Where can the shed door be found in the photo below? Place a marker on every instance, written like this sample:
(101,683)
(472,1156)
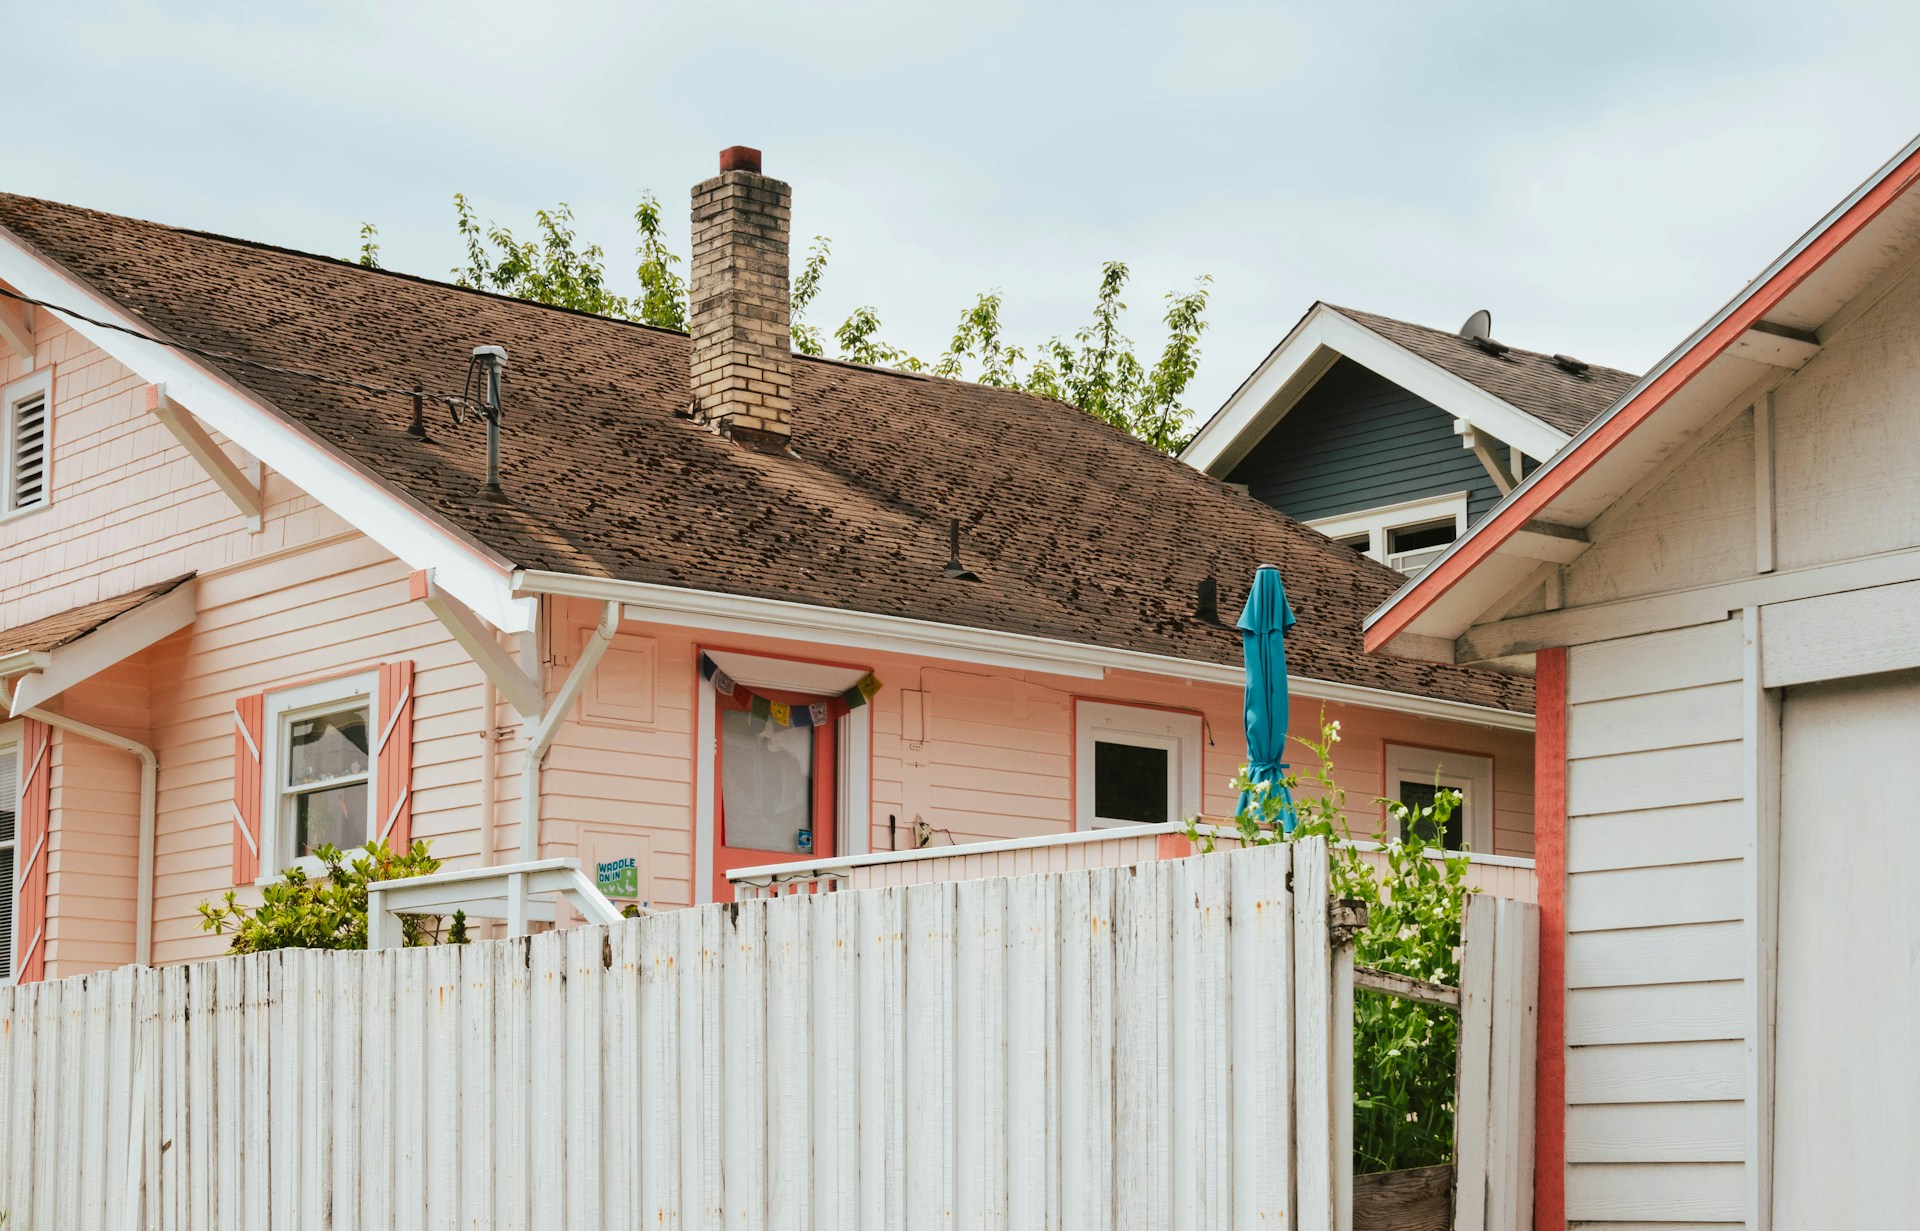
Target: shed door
(1847,1097)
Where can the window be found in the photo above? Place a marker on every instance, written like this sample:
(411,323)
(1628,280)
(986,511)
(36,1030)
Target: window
(26,443)
(1406,536)
(317,770)
(1135,765)
(9,843)
(1415,775)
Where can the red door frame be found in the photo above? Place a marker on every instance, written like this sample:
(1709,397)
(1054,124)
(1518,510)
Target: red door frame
(826,794)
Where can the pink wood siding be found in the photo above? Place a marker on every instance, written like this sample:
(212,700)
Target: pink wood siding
(337,607)
(94,844)
(128,507)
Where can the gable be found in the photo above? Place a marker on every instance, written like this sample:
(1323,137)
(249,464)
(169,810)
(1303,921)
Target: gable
(1358,441)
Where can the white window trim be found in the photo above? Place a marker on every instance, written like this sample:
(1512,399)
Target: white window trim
(1181,735)
(1378,523)
(276,823)
(41,383)
(1471,775)
(11,734)
(853,806)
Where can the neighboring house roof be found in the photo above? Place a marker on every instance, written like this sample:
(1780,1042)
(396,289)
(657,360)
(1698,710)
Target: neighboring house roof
(1526,380)
(1078,532)
(1775,324)
(66,627)
(1527,399)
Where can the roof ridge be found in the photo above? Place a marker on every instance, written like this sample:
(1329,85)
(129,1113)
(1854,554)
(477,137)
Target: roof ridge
(441,284)
(1549,356)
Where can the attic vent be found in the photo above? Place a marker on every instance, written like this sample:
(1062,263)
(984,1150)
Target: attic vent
(1569,364)
(27,453)
(1496,349)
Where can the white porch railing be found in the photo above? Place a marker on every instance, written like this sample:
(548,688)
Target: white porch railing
(505,891)
(1501,876)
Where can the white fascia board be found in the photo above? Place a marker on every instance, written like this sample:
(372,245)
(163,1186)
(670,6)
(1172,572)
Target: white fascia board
(1218,443)
(860,630)
(118,639)
(1298,361)
(462,567)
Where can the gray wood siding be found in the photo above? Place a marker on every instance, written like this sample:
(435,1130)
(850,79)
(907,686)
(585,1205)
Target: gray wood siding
(1358,441)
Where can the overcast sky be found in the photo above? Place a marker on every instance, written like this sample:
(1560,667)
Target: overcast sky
(1600,176)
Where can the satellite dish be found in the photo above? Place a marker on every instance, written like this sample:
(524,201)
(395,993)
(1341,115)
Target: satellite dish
(1479,325)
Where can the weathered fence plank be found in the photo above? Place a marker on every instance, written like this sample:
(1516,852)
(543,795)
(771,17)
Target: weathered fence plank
(1110,1048)
(1493,1117)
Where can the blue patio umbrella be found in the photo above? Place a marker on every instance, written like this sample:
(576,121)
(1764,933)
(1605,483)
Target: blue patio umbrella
(1263,625)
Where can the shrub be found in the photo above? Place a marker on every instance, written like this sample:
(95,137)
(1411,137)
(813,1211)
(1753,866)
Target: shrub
(301,912)
(1404,1052)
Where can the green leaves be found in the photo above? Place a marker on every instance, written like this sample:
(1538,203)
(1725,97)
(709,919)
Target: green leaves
(298,912)
(369,249)
(1096,369)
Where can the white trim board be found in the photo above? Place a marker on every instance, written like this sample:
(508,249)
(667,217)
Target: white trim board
(1297,364)
(465,568)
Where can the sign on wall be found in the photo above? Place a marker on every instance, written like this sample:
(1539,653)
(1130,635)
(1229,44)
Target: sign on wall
(618,878)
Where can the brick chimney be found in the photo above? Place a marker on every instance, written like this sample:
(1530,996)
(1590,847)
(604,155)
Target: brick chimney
(742,368)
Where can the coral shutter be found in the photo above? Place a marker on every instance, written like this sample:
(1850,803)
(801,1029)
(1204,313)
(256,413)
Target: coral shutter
(393,756)
(249,722)
(34,822)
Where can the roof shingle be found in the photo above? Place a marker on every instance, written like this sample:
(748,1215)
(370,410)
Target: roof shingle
(1078,532)
(1527,380)
(67,627)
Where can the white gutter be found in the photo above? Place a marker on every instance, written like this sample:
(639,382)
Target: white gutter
(149,801)
(540,734)
(766,617)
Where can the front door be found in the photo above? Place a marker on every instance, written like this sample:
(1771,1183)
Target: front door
(1847,1065)
(777,793)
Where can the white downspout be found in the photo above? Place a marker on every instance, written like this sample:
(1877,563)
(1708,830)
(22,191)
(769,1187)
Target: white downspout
(540,734)
(149,809)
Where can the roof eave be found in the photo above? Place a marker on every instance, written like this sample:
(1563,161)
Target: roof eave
(1534,496)
(744,615)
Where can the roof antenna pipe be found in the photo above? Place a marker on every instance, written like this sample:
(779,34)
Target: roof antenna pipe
(492,361)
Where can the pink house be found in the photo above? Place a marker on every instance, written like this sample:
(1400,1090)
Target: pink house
(725,605)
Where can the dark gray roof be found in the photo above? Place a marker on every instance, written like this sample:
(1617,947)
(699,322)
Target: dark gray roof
(1527,380)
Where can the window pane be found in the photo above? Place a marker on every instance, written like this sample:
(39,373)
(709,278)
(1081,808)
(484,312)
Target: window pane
(1421,795)
(327,746)
(766,782)
(1130,782)
(332,814)
(1413,538)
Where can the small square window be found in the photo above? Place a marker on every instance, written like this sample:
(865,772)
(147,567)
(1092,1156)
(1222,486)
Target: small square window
(1136,765)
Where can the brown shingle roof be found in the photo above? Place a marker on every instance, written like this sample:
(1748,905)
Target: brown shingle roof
(1524,379)
(1078,532)
(69,626)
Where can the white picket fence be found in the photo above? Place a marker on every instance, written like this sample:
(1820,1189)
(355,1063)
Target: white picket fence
(1156,1046)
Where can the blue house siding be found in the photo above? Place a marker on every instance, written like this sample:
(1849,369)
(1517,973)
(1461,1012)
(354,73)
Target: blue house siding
(1358,441)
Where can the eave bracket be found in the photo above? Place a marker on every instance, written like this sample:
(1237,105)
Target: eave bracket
(226,475)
